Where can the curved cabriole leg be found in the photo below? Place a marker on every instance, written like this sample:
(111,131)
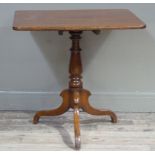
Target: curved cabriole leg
(54,112)
(93,111)
(77,128)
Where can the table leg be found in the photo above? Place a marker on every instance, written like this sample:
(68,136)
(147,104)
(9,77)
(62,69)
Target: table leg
(54,112)
(77,128)
(85,105)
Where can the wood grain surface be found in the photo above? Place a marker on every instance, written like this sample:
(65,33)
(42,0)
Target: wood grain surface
(75,20)
(134,131)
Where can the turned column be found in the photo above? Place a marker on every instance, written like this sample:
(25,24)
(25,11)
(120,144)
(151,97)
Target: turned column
(75,66)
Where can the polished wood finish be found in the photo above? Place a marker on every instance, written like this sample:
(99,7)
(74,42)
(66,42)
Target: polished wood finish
(67,20)
(54,112)
(76,21)
(75,96)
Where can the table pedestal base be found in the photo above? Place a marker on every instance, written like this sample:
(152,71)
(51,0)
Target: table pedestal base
(75,97)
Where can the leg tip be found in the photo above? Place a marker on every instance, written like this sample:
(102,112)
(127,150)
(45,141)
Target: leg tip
(36,119)
(114,119)
(77,143)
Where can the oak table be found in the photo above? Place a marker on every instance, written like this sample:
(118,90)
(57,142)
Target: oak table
(75,22)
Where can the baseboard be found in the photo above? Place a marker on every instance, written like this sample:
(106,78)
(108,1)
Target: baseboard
(120,101)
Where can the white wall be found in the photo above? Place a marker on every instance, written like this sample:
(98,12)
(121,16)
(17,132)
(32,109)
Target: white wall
(118,65)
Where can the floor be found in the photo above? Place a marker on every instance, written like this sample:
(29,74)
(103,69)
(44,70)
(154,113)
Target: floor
(134,131)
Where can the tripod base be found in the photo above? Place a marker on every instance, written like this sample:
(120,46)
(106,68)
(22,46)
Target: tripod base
(75,99)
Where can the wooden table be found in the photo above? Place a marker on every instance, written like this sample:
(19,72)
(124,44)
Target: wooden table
(75,22)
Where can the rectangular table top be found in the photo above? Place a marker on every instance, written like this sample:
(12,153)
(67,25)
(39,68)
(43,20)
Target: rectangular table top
(75,20)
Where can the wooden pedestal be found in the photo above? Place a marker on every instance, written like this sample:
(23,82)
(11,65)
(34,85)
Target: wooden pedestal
(75,96)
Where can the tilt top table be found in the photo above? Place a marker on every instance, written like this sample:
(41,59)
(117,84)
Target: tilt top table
(75,22)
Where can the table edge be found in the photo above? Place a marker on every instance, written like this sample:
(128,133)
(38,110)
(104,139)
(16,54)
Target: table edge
(17,28)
